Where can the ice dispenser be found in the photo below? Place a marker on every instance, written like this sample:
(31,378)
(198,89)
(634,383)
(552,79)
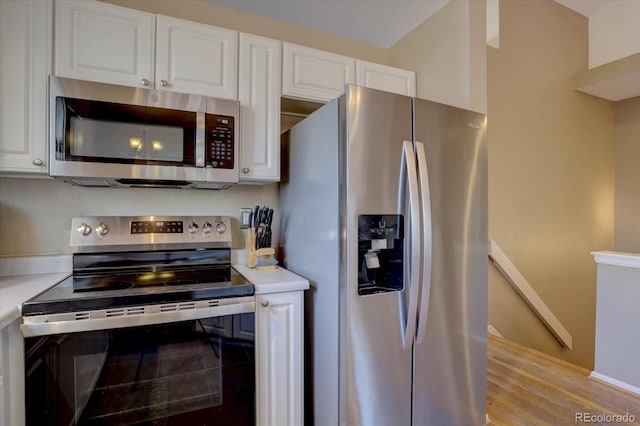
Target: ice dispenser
(380,253)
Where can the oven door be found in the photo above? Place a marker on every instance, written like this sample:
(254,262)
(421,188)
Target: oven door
(198,369)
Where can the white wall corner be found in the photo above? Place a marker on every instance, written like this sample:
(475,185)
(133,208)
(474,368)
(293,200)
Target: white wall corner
(493,23)
(630,260)
(614,32)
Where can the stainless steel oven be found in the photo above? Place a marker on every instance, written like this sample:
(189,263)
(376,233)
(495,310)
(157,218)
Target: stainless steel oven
(153,327)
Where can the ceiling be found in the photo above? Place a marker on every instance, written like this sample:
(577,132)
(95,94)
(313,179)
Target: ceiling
(378,22)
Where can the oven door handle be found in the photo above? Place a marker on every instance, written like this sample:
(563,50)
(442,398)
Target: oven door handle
(46,325)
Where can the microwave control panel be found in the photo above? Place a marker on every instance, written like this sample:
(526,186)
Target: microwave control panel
(220,140)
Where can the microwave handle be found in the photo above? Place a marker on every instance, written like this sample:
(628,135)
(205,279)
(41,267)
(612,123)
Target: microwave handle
(60,120)
(200,139)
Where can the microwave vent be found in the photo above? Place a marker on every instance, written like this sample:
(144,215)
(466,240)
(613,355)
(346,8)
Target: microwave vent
(100,183)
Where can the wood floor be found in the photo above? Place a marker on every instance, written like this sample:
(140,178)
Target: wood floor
(526,387)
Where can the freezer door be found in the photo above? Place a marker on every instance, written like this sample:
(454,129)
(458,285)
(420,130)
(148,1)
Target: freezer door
(450,363)
(375,369)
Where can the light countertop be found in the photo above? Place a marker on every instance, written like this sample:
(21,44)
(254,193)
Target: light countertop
(16,289)
(21,278)
(274,281)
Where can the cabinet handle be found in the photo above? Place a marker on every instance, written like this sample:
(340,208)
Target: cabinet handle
(164,83)
(37,162)
(245,170)
(144,82)
(264,303)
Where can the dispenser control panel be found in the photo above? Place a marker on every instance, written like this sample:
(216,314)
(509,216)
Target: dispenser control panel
(380,253)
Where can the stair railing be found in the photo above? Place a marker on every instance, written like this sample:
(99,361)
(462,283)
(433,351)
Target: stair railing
(529,295)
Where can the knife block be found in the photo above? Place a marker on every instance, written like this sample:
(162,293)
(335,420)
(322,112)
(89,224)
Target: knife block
(250,249)
(262,259)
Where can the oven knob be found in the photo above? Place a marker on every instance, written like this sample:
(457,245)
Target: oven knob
(102,229)
(206,227)
(193,228)
(84,229)
(221,228)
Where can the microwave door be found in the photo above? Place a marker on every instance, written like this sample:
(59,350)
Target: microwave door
(131,134)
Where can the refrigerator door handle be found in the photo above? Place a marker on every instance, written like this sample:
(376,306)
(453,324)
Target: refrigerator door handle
(409,166)
(427,239)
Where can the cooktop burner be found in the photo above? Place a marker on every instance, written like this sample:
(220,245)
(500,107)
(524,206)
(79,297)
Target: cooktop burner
(196,278)
(101,282)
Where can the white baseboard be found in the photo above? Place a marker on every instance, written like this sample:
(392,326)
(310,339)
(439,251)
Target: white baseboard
(615,383)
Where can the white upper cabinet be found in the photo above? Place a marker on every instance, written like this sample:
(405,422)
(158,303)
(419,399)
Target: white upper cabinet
(25,63)
(259,95)
(383,77)
(195,58)
(321,76)
(314,74)
(102,42)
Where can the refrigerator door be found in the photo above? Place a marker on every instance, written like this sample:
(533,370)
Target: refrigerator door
(375,369)
(450,363)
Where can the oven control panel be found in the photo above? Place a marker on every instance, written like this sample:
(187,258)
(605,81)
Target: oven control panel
(102,232)
(157,227)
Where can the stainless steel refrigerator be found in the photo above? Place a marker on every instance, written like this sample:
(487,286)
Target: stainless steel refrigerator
(384,210)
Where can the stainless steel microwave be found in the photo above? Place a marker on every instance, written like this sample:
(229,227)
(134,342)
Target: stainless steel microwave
(117,136)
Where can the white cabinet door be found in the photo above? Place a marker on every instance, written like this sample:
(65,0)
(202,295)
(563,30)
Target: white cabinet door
(383,77)
(12,371)
(25,63)
(259,95)
(5,414)
(279,379)
(195,58)
(314,74)
(101,42)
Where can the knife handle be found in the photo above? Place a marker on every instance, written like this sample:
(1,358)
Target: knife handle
(256,219)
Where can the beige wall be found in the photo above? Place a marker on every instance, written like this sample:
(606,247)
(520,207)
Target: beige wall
(35,214)
(627,205)
(551,174)
(448,54)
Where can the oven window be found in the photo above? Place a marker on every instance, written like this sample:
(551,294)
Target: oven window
(196,372)
(111,132)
